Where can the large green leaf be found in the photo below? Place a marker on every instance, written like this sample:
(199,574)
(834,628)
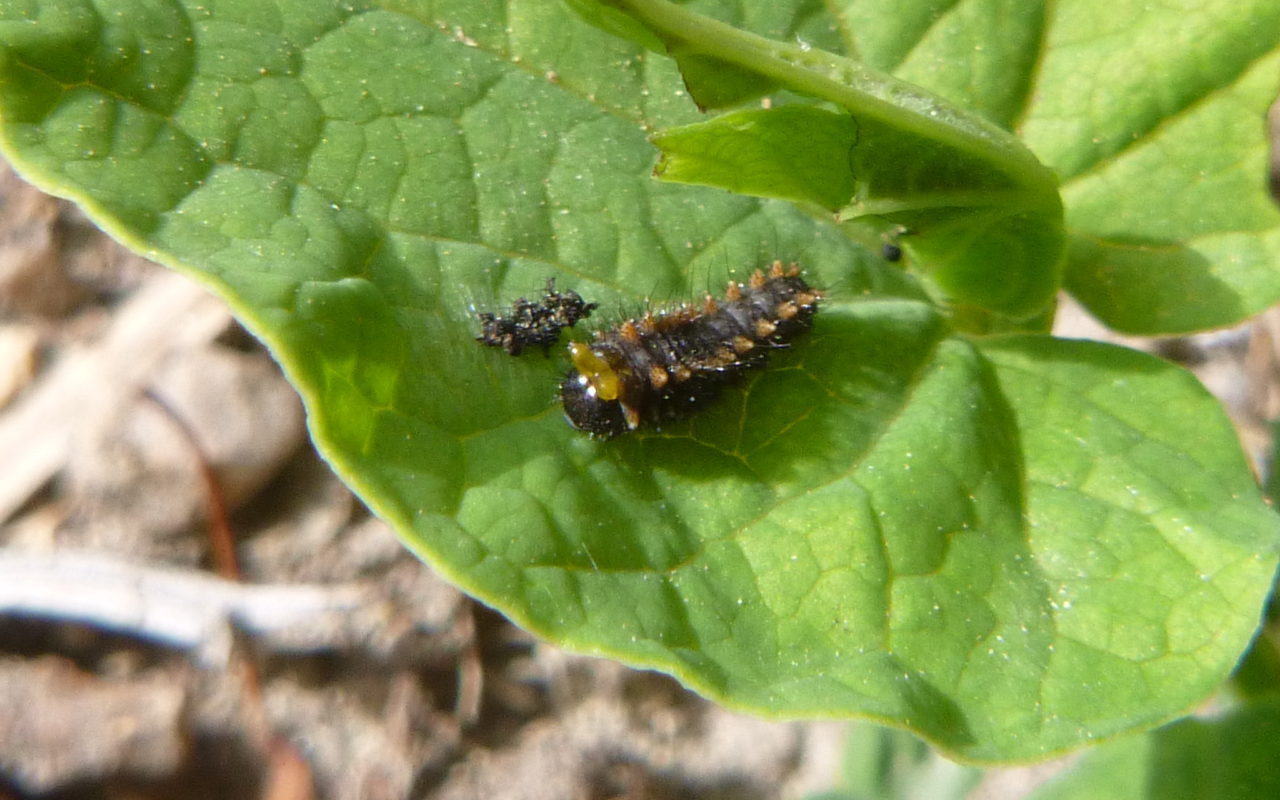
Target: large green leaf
(1010,548)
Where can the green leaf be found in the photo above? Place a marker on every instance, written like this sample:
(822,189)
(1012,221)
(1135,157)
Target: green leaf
(984,215)
(1124,496)
(1010,548)
(714,83)
(1230,757)
(1152,114)
(617,23)
(796,153)
(1178,233)
(980,54)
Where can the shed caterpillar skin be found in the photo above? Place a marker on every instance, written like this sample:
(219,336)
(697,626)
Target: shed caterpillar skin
(534,324)
(665,366)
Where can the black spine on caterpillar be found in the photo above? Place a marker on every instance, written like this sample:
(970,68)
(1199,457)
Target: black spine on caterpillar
(534,324)
(664,366)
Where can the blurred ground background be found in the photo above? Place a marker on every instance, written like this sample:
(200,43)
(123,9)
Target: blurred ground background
(352,671)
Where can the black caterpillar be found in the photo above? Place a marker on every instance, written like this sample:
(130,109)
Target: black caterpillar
(663,366)
(534,324)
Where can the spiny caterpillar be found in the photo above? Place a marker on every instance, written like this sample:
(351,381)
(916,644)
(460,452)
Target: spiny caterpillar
(663,366)
(534,324)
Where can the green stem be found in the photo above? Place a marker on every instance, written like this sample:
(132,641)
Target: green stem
(849,84)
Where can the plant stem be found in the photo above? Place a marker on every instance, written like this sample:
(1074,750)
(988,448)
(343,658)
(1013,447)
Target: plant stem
(849,84)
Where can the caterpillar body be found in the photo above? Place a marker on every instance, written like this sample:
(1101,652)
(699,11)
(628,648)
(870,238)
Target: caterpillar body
(665,366)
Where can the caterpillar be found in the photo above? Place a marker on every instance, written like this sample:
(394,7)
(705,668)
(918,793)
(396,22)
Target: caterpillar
(665,366)
(534,324)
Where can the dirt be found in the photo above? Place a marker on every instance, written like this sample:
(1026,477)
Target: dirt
(135,414)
